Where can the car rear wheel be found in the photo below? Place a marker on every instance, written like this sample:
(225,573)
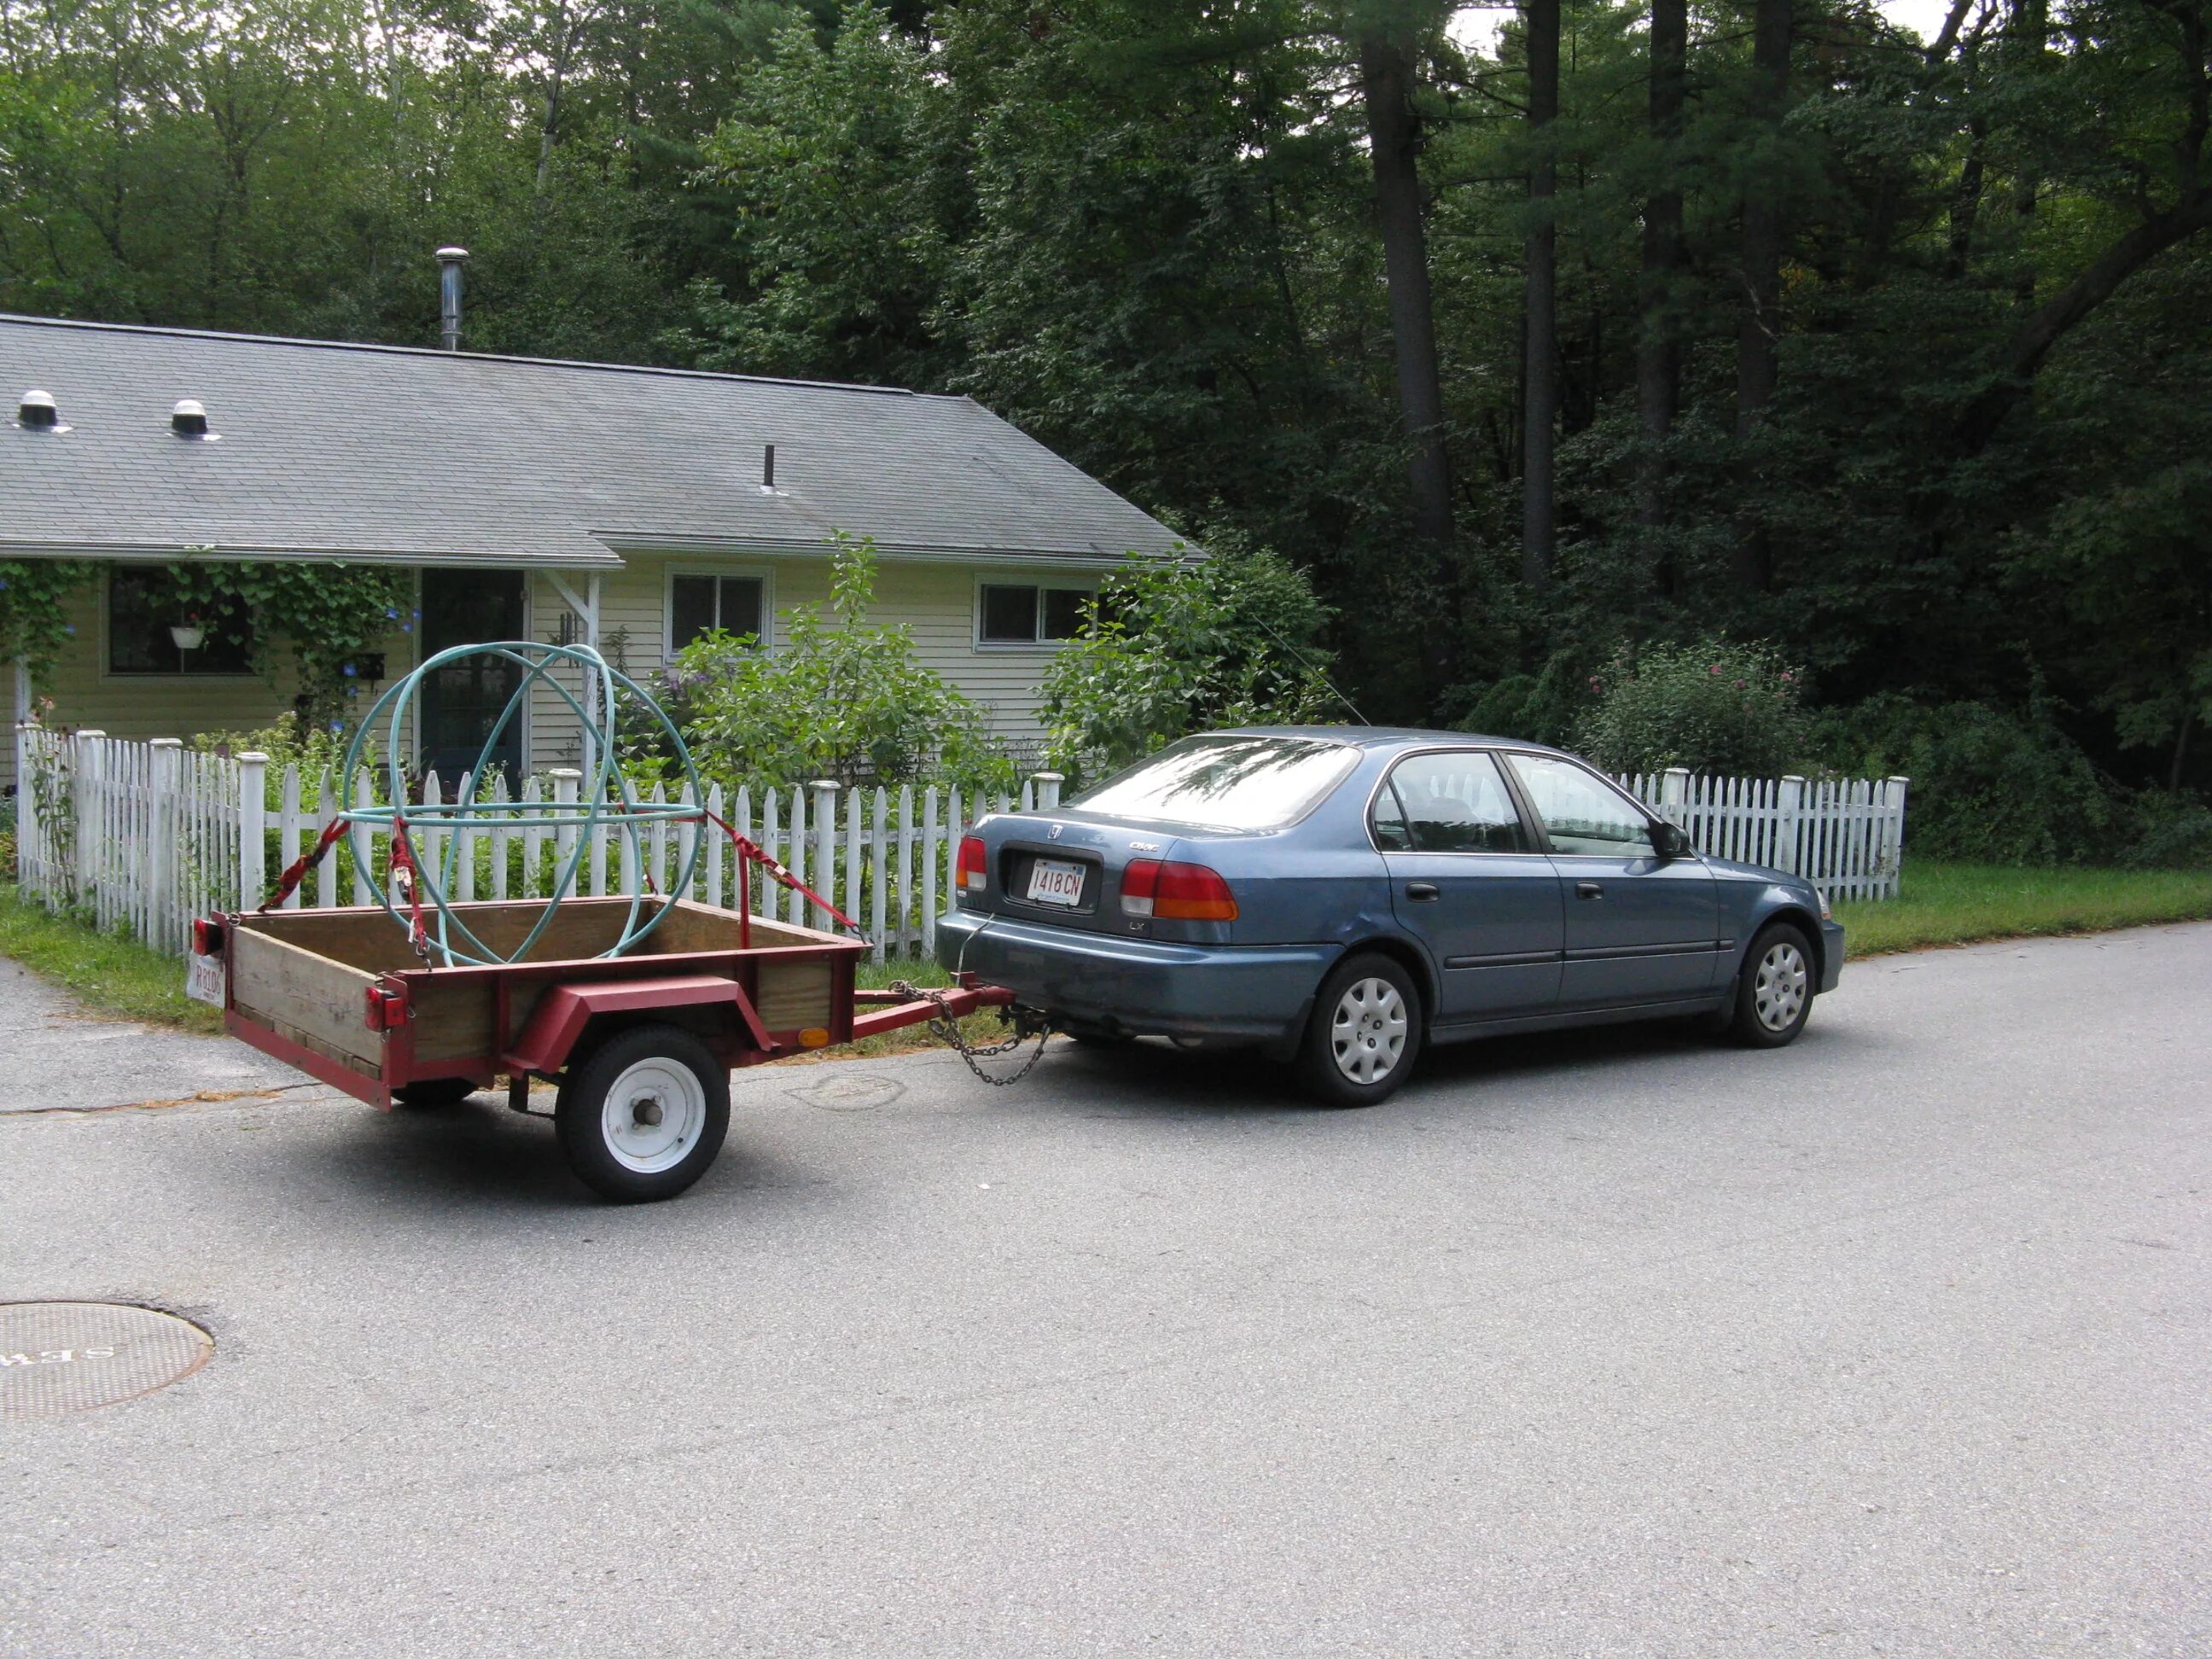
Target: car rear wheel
(1364,1034)
(1774,991)
(645,1115)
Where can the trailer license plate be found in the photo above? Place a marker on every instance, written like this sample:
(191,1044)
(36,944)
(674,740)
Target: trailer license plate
(204,980)
(1051,881)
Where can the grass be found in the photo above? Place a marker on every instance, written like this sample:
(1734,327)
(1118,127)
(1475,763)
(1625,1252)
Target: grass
(1959,903)
(1938,904)
(106,973)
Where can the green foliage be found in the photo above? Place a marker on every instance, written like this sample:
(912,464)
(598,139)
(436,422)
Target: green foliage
(330,614)
(35,597)
(1734,709)
(1232,640)
(842,697)
(1987,787)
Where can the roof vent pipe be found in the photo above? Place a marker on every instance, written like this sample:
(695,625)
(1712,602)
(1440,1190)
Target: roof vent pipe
(189,418)
(768,467)
(449,261)
(37,413)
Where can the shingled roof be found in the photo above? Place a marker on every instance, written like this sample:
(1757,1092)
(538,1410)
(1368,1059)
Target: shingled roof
(380,453)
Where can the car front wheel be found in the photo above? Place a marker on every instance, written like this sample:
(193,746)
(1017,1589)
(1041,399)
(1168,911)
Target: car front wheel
(1774,992)
(1364,1035)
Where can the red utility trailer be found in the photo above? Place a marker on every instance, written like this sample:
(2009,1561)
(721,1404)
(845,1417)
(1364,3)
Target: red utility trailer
(641,1045)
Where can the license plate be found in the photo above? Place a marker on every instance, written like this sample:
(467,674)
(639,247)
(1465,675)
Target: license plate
(204,980)
(1051,881)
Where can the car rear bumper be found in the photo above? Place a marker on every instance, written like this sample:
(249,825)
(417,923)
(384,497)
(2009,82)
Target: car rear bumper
(1831,954)
(1253,992)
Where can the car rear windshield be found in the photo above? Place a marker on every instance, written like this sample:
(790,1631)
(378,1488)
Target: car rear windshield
(1227,783)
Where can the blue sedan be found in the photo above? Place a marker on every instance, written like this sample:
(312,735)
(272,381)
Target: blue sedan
(1340,898)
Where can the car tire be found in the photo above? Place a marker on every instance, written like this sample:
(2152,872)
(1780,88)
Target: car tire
(434,1092)
(1774,988)
(1364,1034)
(642,1117)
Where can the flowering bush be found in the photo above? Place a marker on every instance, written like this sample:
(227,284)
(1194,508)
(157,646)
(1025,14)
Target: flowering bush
(1734,709)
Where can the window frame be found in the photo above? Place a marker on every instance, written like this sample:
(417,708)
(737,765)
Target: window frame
(1531,815)
(1532,825)
(760,574)
(1041,586)
(106,644)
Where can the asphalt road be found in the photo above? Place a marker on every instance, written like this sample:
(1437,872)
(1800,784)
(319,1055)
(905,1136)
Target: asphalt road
(1898,1341)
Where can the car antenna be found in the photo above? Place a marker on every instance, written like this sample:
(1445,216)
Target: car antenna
(1316,668)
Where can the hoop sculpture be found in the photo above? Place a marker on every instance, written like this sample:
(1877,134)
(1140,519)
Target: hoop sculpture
(419,896)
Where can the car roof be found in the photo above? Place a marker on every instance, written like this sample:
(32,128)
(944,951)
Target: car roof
(1380,737)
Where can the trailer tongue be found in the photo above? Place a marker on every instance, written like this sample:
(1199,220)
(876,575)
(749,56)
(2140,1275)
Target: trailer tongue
(640,1045)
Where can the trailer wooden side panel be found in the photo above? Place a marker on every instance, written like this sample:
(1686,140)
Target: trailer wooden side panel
(307,998)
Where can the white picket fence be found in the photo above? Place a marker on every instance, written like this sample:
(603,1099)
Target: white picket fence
(1845,835)
(146,837)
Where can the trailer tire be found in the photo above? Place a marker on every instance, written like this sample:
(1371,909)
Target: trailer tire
(643,1116)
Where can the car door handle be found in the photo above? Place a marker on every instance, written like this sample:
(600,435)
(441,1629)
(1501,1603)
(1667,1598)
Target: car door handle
(1422,889)
(1589,889)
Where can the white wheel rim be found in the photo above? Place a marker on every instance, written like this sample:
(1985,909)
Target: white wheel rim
(1777,993)
(653,1115)
(1367,1034)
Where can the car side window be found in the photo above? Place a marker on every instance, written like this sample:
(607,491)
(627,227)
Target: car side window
(1580,813)
(1456,801)
(1387,819)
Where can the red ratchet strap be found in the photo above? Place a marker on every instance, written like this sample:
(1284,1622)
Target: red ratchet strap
(404,875)
(748,853)
(296,871)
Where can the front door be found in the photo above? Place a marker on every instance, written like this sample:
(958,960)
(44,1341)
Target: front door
(1640,928)
(1467,879)
(463,701)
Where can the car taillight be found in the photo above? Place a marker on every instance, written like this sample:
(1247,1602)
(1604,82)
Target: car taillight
(207,939)
(967,873)
(1176,892)
(386,1010)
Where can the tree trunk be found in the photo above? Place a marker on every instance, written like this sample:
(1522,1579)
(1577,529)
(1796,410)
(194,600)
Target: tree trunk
(1759,332)
(1386,74)
(1659,352)
(1540,406)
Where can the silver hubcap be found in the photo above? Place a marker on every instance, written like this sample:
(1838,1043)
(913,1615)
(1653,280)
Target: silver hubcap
(1778,992)
(1368,1034)
(653,1115)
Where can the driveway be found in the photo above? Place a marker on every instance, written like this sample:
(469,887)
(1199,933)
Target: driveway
(1897,1341)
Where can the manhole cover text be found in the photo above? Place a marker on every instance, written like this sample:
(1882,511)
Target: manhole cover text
(58,1357)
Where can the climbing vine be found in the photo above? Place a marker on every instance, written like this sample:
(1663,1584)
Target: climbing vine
(34,596)
(332,613)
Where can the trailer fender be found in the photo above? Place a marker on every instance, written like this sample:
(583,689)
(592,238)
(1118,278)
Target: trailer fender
(564,1013)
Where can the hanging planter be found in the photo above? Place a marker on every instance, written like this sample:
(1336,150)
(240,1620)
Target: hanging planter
(187,635)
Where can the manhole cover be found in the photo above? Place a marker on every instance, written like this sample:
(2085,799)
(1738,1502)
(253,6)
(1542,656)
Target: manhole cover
(58,1357)
(850,1091)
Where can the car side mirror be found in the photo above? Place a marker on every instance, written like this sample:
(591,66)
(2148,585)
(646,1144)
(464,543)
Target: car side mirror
(1670,841)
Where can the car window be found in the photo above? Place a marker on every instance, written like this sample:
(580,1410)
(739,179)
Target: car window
(1581,813)
(1249,782)
(1452,802)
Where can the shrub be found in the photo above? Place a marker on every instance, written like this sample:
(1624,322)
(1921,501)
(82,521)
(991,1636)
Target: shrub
(1988,786)
(1734,709)
(1232,640)
(849,702)
(2167,829)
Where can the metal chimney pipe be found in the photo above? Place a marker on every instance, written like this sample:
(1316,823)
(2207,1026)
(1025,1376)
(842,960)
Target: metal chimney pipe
(449,261)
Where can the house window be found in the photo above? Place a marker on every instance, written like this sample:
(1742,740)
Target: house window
(1026,616)
(698,605)
(143,607)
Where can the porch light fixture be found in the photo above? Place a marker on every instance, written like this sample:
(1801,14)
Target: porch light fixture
(39,413)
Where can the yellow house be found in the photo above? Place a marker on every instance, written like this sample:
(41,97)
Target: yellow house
(627,508)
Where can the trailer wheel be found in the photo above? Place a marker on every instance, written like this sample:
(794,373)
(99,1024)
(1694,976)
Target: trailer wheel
(644,1115)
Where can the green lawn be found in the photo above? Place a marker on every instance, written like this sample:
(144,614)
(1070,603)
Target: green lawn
(108,974)
(1957,903)
(1940,904)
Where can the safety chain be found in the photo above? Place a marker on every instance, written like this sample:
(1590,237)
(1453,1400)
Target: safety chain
(946,1027)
